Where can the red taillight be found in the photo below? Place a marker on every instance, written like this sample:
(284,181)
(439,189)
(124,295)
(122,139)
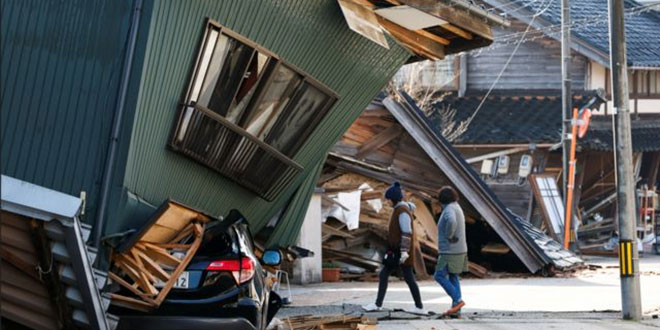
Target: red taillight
(241,274)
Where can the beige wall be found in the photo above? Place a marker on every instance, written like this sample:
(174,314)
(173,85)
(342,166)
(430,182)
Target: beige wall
(597,78)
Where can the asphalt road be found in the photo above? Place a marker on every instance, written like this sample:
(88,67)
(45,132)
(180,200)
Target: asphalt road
(589,299)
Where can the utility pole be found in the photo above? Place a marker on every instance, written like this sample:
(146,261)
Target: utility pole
(566,98)
(631,305)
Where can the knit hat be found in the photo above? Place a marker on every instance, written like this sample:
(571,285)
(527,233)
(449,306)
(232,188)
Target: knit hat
(394,192)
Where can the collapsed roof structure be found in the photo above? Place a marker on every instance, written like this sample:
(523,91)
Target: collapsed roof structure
(394,140)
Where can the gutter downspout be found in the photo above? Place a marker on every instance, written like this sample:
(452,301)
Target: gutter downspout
(116,125)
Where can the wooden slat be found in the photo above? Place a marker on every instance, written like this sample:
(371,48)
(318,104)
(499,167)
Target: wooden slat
(173,246)
(158,254)
(152,266)
(131,303)
(185,232)
(132,288)
(132,273)
(457,31)
(136,262)
(432,36)
(379,140)
(182,265)
(420,44)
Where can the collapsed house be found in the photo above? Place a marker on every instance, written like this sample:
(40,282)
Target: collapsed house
(518,155)
(218,105)
(393,140)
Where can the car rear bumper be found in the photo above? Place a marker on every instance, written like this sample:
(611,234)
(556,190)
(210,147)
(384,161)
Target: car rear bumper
(182,323)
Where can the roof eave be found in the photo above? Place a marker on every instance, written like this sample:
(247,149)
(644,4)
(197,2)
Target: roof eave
(577,44)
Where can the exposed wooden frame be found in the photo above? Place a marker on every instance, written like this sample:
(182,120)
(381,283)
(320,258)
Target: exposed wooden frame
(379,140)
(149,259)
(417,43)
(455,168)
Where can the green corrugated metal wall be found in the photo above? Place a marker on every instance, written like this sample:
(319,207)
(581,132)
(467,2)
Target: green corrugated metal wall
(287,230)
(61,62)
(309,34)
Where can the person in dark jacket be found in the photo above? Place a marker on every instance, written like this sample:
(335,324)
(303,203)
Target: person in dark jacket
(400,252)
(452,248)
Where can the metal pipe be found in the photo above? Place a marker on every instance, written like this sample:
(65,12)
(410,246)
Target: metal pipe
(116,125)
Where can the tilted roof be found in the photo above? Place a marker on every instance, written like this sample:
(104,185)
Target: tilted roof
(505,118)
(535,249)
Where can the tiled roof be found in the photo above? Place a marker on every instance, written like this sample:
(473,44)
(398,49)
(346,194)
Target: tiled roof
(645,133)
(506,119)
(535,118)
(590,22)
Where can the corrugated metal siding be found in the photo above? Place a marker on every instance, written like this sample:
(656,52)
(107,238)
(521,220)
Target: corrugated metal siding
(288,228)
(61,62)
(311,35)
(536,64)
(24,299)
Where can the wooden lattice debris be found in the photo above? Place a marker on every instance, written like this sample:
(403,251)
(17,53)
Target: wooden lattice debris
(339,321)
(150,263)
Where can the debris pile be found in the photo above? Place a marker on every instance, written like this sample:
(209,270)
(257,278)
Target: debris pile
(340,321)
(393,140)
(148,265)
(357,244)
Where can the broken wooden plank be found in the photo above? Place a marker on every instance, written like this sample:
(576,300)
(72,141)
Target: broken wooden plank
(379,140)
(477,270)
(152,266)
(181,267)
(327,229)
(158,254)
(131,303)
(133,288)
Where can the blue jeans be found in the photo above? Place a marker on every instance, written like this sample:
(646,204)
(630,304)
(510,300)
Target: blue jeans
(449,282)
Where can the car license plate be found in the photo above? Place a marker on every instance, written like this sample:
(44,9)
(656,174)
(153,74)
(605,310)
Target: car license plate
(182,281)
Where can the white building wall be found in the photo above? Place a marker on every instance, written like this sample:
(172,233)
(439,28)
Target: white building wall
(308,270)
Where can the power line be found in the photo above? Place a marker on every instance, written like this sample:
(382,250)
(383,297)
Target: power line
(577,25)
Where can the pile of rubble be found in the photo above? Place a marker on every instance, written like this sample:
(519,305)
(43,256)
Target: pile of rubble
(354,233)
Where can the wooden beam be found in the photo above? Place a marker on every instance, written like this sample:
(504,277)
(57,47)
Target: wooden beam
(655,168)
(416,42)
(182,265)
(131,303)
(334,231)
(432,36)
(158,254)
(152,266)
(457,31)
(116,278)
(379,140)
(456,16)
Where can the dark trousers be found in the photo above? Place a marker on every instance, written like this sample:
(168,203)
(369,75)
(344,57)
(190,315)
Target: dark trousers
(410,280)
